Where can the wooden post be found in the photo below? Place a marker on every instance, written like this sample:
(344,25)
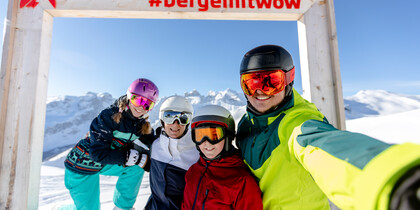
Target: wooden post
(24,79)
(321,79)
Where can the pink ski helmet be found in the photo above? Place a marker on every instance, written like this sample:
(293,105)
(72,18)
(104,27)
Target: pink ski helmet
(145,88)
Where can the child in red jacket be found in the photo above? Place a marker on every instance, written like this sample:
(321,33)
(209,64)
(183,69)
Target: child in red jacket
(220,179)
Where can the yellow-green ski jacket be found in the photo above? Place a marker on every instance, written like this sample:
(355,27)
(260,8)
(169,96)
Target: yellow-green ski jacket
(300,160)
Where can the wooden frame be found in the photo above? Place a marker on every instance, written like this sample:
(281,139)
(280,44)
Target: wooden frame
(26,54)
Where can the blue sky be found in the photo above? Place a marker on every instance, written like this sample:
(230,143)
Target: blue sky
(378,43)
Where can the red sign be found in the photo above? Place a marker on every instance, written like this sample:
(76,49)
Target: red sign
(205,5)
(33,3)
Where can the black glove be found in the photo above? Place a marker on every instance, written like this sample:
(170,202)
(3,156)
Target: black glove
(406,192)
(140,147)
(139,155)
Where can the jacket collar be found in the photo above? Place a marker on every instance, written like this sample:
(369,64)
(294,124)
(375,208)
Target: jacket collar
(233,159)
(263,120)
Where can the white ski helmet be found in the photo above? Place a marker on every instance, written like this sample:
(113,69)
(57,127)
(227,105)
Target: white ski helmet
(176,104)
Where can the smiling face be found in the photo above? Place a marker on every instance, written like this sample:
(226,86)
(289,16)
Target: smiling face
(136,111)
(263,103)
(174,130)
(210,150)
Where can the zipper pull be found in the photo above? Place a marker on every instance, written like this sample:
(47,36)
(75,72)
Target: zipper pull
(205,198)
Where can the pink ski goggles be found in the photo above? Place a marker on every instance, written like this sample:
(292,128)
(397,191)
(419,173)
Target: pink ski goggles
(138,101)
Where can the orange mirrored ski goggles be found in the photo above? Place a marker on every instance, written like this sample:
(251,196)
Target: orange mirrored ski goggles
(269,82)
(212,134)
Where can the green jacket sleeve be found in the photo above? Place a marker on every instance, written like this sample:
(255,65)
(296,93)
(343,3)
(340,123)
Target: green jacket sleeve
(355,171)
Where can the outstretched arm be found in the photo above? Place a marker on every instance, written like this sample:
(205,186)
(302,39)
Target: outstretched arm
(353,170)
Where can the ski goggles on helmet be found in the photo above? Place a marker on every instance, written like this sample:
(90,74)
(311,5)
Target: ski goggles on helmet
(138,101)
(269,82)
(169,117)
(212,134)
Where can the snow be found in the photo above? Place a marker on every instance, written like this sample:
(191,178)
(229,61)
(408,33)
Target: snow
(379,102)
(391,117)
(394,128)
(53,193)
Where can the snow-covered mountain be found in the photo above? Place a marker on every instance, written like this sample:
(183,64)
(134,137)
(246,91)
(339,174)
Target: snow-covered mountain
(68,117)
(230,99)
(378,102)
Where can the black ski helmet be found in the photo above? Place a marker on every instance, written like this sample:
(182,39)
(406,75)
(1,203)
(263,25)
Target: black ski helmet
(268,58)
(215,114)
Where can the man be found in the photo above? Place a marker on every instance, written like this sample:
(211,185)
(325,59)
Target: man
(301,161)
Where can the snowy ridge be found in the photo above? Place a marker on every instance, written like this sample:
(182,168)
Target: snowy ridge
(229,99)
(233,101)
(379,102)
(68,117)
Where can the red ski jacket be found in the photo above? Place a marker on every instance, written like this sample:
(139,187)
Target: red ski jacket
(221,184)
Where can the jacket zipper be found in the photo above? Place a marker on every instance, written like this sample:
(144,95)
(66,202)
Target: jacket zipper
(204,201)
(252,147)
(198,187)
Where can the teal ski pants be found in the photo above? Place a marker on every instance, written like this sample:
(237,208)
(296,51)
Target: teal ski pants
(84,189)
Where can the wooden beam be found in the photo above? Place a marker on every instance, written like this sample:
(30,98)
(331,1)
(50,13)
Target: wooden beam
(23,93)
(321,79)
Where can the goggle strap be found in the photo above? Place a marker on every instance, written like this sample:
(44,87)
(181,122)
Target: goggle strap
(229,133)
(290,76)
(209,122)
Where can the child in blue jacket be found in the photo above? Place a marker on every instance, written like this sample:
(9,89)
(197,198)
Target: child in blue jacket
(117,146)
